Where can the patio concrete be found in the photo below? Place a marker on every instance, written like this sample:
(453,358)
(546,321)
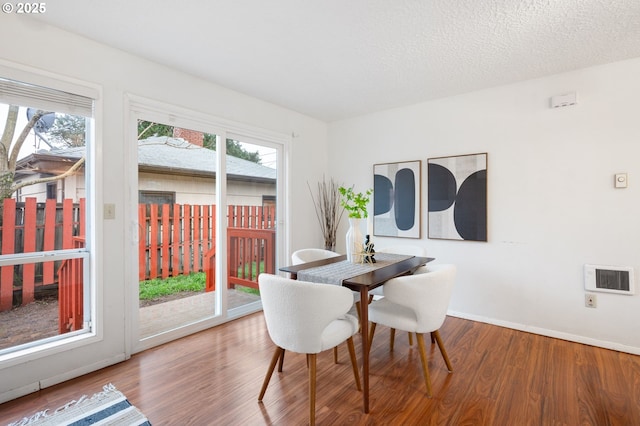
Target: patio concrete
(176,313)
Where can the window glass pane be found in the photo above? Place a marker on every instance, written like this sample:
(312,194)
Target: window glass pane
(42,311)
(43,208)
(177,227)
(251,222)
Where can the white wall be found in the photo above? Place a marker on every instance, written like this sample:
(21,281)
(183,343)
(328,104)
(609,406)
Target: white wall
(117,74)
(552,206)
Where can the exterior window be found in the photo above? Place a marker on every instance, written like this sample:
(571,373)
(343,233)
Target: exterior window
(52,191)
(268,201)
(156,197)
(45,240)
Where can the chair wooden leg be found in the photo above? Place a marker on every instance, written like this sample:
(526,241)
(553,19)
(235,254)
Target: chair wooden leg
(354,362)
(281,363)
(358,314)
(312,389)
(335,355)
(370,298)
(436,335)
(410,339)
(279,352)
(423,359)
(433,340)
(392,339)
(372,330)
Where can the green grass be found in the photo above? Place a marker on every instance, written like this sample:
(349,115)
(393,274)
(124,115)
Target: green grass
(253,270)
(157,287)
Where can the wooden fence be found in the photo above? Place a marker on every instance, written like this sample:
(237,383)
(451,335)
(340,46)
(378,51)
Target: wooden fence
(179,239)
(173,240)
(33,227)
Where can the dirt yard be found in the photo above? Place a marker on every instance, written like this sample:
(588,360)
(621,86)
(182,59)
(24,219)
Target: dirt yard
(27,323)
(39,320)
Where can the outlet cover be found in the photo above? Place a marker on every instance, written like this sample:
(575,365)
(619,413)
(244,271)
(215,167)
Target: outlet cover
(590,300)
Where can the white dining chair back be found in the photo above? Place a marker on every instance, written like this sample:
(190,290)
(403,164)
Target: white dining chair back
(407,249)
(311,255)
(306,318)
(418,304)
(426,294)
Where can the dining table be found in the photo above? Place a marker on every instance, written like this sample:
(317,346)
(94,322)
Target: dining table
(360,277)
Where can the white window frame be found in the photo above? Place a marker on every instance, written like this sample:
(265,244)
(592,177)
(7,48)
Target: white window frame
(93,284)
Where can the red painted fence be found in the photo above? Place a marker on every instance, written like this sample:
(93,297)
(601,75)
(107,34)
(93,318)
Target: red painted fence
(179,239)
(173,240)
(33,227)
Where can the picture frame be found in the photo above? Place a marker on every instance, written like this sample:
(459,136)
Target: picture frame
(457,197)
(397,199)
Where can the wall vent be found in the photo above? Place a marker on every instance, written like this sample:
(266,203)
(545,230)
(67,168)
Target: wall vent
(609,279)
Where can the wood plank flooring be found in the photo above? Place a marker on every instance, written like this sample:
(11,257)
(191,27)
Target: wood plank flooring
(501,377)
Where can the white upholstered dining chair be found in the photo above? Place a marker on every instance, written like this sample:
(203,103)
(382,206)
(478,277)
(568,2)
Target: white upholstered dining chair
(406,249)
(311,254)
(418,304)
(306,318)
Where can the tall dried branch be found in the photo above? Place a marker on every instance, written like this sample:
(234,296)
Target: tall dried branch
(326,200)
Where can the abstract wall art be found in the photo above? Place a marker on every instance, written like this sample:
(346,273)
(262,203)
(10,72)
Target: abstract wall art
(457,197)
(396,199)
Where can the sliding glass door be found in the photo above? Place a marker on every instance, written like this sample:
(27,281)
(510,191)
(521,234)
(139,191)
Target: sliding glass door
(206,208)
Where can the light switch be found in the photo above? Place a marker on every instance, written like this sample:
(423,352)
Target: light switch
(621,180)
(109,211)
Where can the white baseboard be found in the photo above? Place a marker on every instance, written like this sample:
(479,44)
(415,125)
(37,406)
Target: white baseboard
(18,392)
(72,374)
(67,375)
(549,333)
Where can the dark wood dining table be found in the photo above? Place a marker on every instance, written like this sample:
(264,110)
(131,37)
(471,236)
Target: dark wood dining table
(363,283)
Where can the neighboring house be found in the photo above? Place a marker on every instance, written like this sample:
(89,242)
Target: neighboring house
(170,170)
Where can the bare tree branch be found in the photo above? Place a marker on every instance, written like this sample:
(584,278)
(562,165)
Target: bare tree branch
(69,172)
(145,130)
(15,150)
(7,136)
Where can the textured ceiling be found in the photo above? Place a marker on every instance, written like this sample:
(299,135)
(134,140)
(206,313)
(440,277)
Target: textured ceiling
(335,59)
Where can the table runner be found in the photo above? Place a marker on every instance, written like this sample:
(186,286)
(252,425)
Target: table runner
(335,273)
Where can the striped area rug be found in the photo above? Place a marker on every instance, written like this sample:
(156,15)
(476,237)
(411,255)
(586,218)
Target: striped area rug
(109,407)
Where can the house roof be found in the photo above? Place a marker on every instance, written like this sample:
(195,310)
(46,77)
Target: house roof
(160,154)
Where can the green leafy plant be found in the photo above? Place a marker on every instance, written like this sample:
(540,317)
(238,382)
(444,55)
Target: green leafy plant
(355,203)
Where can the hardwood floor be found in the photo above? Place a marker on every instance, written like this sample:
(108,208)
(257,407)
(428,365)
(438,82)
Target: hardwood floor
(501,377)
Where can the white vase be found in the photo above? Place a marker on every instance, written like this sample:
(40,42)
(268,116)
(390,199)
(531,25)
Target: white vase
(354,241)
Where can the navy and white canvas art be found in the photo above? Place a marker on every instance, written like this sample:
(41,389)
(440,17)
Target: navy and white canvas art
(396,199)
(457,197)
